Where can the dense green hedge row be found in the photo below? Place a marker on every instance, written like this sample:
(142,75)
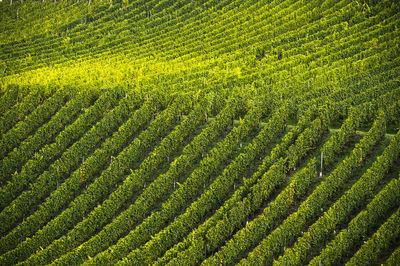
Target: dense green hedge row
(210,197)
(312,207)
(45,134)
(244,190)
(280,63)
(213,196)
(192,186)
(383,239)
(35,119)
(338,6)
(132,185)
(270,217)
(349,238)
(55,174)
(20,110)
(236,217)
(341,67)
(170,185)
(46,156)
(358,115)
(270,130)
(91,166)
(361,84)
(339,212)
(8,99)
(306,142)
(394,258)
(164,184)
(101,186)
(204,242)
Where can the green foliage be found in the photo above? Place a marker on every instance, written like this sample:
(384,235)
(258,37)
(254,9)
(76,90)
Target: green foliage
(189,132)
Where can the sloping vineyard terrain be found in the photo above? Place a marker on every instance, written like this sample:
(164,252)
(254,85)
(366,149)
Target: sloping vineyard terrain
(200,132)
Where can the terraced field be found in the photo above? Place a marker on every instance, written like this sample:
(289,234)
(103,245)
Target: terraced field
(200,132)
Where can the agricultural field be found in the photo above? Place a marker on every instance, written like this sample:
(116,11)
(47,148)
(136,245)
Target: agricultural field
(200,132)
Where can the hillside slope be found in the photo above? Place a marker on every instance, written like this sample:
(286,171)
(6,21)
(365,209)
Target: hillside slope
(199,132)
